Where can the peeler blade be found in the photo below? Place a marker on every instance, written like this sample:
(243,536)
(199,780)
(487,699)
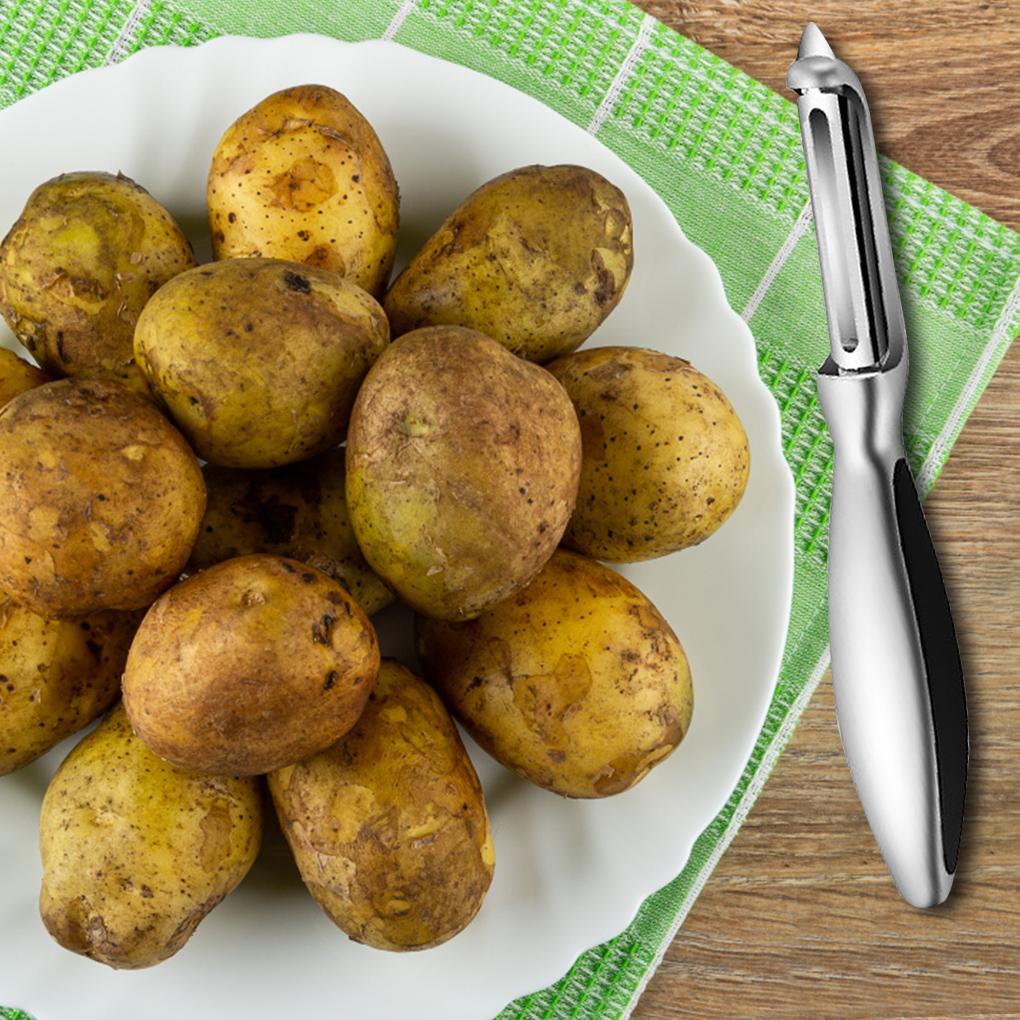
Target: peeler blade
(866,330)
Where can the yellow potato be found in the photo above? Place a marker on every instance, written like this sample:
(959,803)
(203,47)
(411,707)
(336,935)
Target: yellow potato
(536,258)
(576,683)
(16,376)
(298,511)
(251,665)
(78,267)
(135,852)
(462,466)
(388,826)
(100,499)
(666,459)
(56,676)
(258,361)
(302,176)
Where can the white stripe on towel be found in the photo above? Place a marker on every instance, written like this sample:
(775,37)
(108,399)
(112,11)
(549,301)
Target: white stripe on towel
(638,47)
(398,19)
(119,49)
(796,233)
(959,412)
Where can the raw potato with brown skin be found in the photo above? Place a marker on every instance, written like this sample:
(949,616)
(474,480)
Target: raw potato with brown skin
(135,852)
(302,176)
(100,503)
(462,467)
(56,676)
(577,682)
(536,258)
(17,376)
(251,665)
(299,511)
(666,459)
(388,827)
(77,268)
(258,361)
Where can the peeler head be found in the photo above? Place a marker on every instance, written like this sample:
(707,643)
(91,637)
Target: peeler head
(866,329)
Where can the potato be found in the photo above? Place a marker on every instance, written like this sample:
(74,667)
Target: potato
(388,826)
(16,376)
(56,676)
(299,511)
(665,461)
(576,683)
(256,663)
(136,852)
(302,176)
(78,267)
(257,360)
(536,259)
(100,499)
(462,466)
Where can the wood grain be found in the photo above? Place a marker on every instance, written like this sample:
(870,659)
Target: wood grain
(800,919)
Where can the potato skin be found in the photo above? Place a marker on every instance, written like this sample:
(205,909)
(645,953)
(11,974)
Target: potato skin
(302,176)
(462,466)
(101,500)
(536,258)
(136,852)
(576,683)
(298,511)
(56,676)
(388,826)
(666,459)
(17,376)
(253,664)
(258,361)
(78,267)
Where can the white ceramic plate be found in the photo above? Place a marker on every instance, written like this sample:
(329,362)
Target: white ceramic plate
(568,874)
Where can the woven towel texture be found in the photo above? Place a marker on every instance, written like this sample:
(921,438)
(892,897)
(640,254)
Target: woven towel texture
(724,153)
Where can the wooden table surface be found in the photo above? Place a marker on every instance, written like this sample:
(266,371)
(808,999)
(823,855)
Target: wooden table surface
(800,919)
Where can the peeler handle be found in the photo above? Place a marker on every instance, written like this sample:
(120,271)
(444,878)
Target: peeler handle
(896,666)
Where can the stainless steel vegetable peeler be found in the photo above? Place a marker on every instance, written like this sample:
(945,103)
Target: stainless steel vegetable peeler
(895,662)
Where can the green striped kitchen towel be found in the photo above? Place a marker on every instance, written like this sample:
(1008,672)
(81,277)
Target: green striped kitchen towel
(724,153)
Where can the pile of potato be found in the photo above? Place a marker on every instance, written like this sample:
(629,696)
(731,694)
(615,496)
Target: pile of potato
(229,601)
